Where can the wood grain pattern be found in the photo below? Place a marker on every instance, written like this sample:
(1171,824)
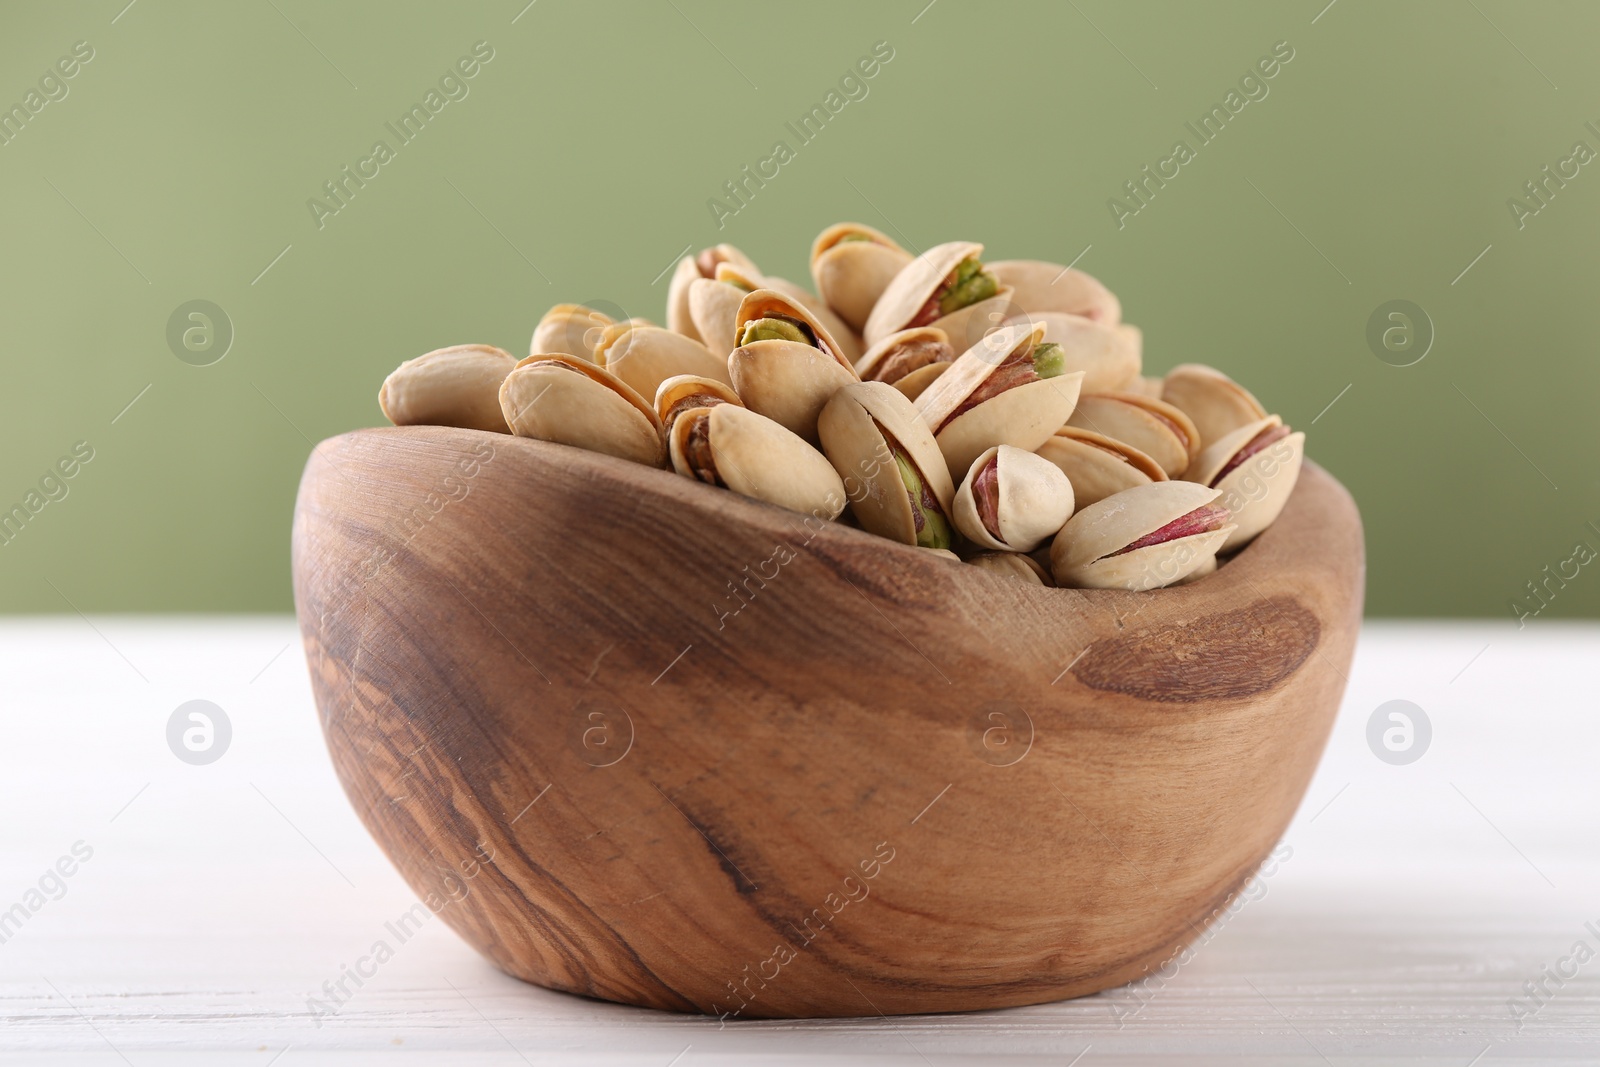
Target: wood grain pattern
(647,741)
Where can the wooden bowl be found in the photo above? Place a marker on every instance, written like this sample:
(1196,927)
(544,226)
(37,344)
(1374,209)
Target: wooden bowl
(641,739)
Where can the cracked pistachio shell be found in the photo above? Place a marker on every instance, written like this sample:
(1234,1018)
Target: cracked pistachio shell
(918,280)
(853,426)
(848,340)
(1208,566)
(1098,466)
(570,328)
(1082,554)
(1256,490)
(1109,354)
(570,401)
(1214,402)
(702,265)
(851,266)
(877,363)
(685,392)
(786,380)
(1024,416)
(1033,499)
(1154,427)
(646,356)
(1039,287)
(1013,565)
(456,386)
(755,457)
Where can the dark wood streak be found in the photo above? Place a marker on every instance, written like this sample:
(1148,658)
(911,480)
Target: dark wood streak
(1228,656)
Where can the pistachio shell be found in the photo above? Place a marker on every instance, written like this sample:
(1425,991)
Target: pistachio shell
(849,344)
(1255,490)
(586,406)
(1043,287)
(861,427)
(1215,403)
(1012,565)
(911,288)
(916,383)
(646,356)
(755,457)
(850,275)
(1024,416)
(571,328)
(1098,466)
(1208,566)
(1108,354)
(689,268)
(712,307)
(885,362)
(1088,552)
(1154,427)
(456,386)
(1032,500)
(786,380)
(684,392)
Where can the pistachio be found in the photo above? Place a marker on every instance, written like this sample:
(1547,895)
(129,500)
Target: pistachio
(456,386)
(646,356)
(1109,354)
(851,265)
(1098,466)
(783,378)
(733,447)
(684,392)
(1009,389)
(1141,538)
(1012,501)
(571,401)
(1255,467)
(1012,565)
(1040,288)
(1215,403)
(948,287)
(908,360)
(570,328)
(703,265)
(893,473)
(848,341)
(1154,427)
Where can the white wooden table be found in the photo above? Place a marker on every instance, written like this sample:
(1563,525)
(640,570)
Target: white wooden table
(1416,903)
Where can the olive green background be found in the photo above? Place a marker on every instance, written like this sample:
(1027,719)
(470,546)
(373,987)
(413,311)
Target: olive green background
(581,163)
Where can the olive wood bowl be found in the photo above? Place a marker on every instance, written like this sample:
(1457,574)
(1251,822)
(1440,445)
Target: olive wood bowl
(641,739)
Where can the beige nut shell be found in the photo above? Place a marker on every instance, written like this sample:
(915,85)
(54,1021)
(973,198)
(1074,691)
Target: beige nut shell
(757,458)
(1154,427)
(646,356)
(1033,500)
(684,392)
(688,269)
(911,288)
(574,329)
(1214,402)
(593,409)
(1256,490)
(852,275)
(1081,555)
(786,380)
(1025,416)
(455,386)
(1039,287)
(849,427)
(1098,466)
(1012,565)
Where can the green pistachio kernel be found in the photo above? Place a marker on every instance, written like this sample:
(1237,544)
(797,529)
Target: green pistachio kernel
(933,529)
(773,329)
(970,284)
(1049,360)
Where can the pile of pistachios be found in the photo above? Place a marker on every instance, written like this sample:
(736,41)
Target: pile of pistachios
(994,413)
